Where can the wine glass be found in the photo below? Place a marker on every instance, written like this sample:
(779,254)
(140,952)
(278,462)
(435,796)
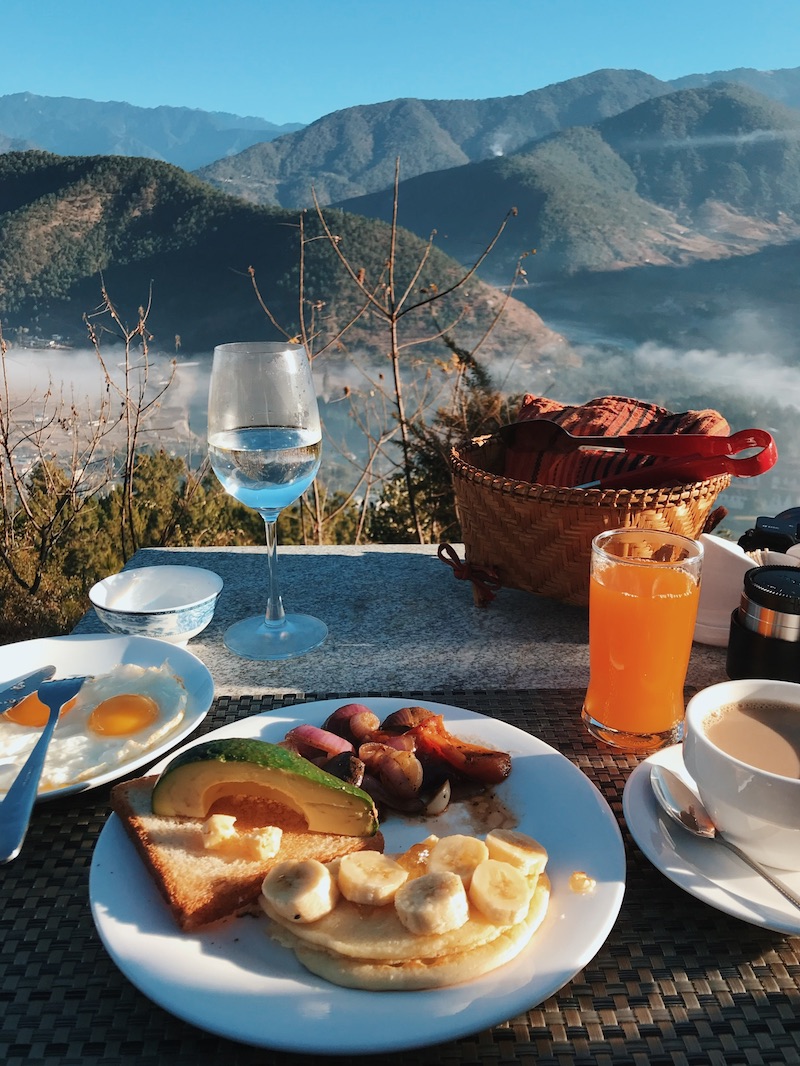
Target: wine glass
(265,444)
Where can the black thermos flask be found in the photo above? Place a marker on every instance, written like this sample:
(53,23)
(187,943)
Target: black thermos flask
(765,627)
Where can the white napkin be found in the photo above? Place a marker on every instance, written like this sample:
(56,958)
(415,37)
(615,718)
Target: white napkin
(724,567)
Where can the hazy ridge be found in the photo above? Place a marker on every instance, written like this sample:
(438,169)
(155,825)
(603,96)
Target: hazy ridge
(185,136)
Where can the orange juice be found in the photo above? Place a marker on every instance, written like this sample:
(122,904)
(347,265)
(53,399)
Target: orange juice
(641,623)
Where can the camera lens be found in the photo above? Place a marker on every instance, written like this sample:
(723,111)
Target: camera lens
(765,628)
(771,601)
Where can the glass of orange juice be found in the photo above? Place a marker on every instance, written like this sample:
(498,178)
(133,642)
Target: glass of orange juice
(644,588)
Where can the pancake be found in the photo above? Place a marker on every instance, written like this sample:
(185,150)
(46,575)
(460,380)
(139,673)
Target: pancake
(377,933)
(440,971)
(377,947)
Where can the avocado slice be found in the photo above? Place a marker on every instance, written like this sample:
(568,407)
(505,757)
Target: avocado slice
(192,782)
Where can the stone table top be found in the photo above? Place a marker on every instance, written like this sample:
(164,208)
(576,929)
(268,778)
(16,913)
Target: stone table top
(397,620)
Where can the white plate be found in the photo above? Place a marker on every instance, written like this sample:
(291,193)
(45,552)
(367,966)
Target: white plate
(236,982)
(700,867)
(99,654)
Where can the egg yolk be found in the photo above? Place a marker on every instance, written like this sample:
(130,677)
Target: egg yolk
(32,712)
(123,714)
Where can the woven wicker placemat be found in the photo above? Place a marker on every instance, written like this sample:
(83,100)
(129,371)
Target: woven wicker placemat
(676,981)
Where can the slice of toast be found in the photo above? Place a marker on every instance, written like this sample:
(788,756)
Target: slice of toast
(202,885)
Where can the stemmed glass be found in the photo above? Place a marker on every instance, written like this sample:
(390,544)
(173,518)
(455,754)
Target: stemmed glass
(265,444)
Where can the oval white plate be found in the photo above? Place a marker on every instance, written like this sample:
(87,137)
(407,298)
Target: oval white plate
(91,654)
(236,982)
(700,867)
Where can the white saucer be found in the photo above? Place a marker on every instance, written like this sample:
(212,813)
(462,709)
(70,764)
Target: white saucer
(700,867)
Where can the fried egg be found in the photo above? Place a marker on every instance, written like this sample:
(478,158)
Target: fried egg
(115,718)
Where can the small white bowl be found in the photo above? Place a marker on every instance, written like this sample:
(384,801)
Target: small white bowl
(172,603)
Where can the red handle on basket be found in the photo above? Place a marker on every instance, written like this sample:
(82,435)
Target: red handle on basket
(718,456)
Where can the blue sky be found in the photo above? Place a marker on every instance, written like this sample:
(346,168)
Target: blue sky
(295,60)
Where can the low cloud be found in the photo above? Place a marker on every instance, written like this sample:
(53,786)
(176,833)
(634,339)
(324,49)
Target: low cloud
(712,140)
(76,376)
(747,371)
(764,377)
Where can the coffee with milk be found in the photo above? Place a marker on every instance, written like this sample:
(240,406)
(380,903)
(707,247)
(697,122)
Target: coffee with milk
(760,732)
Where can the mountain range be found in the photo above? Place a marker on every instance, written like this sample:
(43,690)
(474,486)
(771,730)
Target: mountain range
(187,137)
(691,175)
(612,175)
(351,152)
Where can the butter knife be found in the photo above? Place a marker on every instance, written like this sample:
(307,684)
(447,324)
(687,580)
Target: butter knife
(23,686)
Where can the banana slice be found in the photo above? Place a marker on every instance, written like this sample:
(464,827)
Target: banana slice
(500,891)
(301,890)
(433,903)
(517,849)
(458,853)
(370,877)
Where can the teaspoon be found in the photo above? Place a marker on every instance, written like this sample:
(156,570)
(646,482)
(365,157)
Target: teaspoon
(684,807)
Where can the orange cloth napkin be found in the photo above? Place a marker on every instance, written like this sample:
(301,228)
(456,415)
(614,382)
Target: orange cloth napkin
(604,416)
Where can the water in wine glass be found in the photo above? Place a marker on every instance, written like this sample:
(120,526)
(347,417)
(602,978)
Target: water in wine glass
(264,443)
(265,467)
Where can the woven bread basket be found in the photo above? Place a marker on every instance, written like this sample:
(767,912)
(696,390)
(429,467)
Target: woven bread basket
(538,538)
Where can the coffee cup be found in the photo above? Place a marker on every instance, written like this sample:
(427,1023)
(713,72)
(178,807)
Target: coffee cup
(742,747)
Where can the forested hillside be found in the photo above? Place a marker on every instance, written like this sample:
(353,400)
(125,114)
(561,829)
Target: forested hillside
(65,221)
(692,175)
(352,152)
